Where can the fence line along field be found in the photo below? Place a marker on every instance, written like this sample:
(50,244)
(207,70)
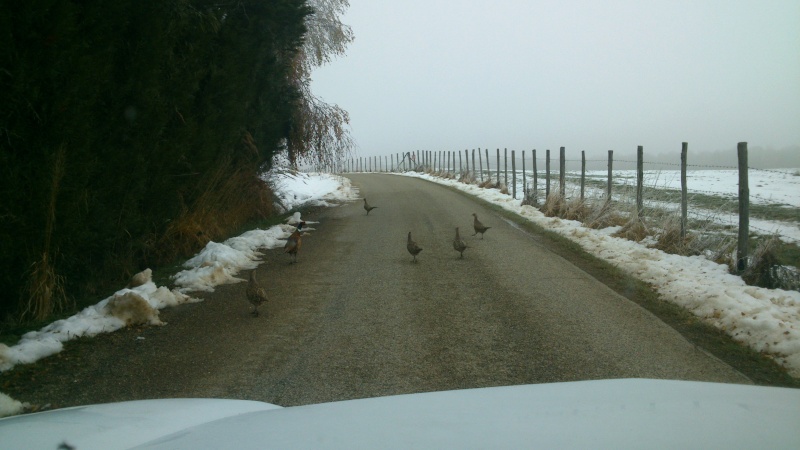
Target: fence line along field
(679,208)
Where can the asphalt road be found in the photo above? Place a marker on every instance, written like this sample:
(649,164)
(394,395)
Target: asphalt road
(355,317)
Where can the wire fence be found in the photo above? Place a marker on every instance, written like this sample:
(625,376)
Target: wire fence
(648,190)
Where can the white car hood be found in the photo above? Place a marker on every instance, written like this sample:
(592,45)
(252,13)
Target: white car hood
(625,413)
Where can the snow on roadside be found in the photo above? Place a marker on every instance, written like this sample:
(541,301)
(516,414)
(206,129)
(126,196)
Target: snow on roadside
(297,188)
(216,264)
(768,320)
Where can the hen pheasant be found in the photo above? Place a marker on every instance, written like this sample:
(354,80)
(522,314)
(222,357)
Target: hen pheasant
(256,294)
(412,247)
(458,244)
(479,227)
(367,207)
(294,242)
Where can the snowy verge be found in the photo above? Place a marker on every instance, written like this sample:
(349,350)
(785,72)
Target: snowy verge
(767,320)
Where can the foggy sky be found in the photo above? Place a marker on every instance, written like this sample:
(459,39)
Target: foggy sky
(587,75)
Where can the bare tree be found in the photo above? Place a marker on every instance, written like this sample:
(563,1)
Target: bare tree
(320,131)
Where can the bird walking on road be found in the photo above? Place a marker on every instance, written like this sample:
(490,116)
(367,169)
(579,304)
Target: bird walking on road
(367,207)
(294,242)
(256,294)
(479,227)
(458,244)
(412,247)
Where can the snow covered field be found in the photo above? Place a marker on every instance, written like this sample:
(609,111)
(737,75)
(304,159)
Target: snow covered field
(767,320)
(779,188)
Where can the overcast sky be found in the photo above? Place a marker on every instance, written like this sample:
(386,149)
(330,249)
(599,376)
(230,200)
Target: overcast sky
(587,75)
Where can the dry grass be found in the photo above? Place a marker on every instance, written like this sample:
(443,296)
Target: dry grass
(43,292)
(553,205)
(530,200)
(603,214)
(557,205)
(488,183)
(761,269)
(669,240)
(228,199)
(634,230)
(468,178)
(576,209)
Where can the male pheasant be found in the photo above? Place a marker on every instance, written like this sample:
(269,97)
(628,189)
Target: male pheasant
(294,242)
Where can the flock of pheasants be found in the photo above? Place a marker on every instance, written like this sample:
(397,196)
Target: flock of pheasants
(257,296)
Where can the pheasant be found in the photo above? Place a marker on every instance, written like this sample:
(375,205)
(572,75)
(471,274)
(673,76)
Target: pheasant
(367,207)
(458,244)
(479,227)
(412,247)
(256,294)
(294,242)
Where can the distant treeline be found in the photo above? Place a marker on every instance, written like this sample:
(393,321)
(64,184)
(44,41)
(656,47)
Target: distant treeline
(132,131)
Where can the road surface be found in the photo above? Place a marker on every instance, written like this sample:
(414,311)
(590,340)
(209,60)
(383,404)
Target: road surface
(355,317)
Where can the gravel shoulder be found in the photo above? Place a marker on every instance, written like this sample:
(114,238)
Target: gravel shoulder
(356,318)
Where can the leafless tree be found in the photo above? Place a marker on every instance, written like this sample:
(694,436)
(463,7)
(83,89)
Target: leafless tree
(320,131)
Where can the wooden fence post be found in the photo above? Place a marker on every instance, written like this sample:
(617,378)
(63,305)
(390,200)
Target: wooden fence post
(473,163)
(513,176)
(562,175)
(535,180)
(466,159)
(449,154)
(547,176)
(488,170)
(480,161)
(639,182)
(610,165)
(684,190)
(524,179)
(498,167)
(744,208)
(505,163)
(583,171)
